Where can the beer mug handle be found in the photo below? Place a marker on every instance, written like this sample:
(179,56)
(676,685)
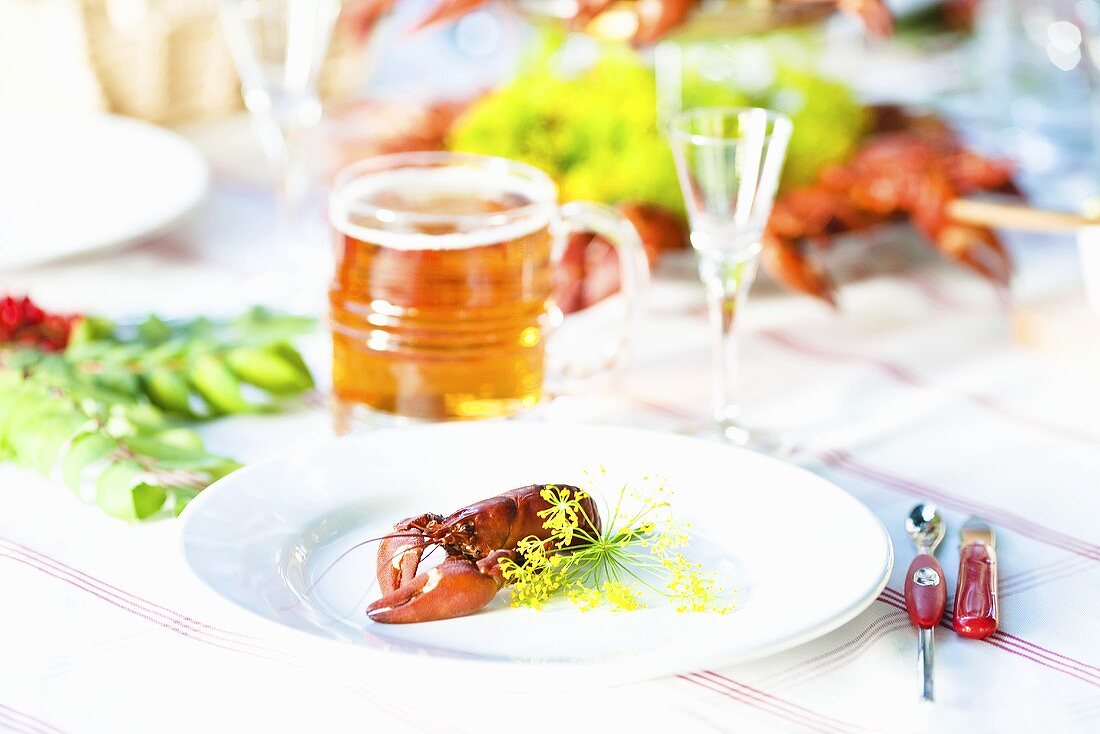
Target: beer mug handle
(567,376)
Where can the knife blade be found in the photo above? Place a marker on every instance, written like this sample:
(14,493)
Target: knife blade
(975,614)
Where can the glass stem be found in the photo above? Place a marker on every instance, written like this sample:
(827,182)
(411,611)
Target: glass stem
(727,277)
(292,189)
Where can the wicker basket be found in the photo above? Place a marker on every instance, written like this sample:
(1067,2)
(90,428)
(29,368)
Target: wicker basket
(159,60)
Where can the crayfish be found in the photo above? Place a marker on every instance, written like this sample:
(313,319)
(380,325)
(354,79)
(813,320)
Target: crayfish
(476,539)
(652,19)
(909,167)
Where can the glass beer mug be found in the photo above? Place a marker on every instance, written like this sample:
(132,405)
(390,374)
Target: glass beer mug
(441,304)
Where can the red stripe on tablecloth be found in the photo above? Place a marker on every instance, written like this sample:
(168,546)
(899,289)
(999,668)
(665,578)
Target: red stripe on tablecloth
(100,582)
(932,290)
(202,636)
(901,373)
(666,410)
(851,650)
(829,720)
(1034,581)
(25,722)
(9,724)
(1017,645)
(1001,634)
(168,619)
(758,703)
(1009,579)
(875,625)
(840,459)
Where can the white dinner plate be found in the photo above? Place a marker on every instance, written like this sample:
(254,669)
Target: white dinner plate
(75,184)
(805,556)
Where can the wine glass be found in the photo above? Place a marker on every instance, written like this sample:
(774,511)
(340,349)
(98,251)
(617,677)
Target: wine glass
(729,161)
(278,47)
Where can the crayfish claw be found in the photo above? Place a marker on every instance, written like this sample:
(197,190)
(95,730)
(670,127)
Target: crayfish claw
(787,262)
(977,248)
(398,558)
(454,588)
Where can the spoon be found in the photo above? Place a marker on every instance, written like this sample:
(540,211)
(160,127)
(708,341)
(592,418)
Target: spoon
(925,590)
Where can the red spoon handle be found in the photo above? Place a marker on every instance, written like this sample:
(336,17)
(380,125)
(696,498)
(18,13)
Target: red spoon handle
(976,595)
(925,591)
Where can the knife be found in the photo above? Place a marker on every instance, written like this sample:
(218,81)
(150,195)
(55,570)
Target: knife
(976,590)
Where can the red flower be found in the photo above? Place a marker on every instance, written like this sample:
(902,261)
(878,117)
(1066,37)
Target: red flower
(23,322)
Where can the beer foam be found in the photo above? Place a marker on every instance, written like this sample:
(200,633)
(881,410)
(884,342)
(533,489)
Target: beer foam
(499,226)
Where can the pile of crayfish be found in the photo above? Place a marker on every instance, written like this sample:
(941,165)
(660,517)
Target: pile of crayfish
(475,538)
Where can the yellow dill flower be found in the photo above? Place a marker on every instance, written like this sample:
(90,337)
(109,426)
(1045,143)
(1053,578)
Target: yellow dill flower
(622,597)
(585,598)
(638,548)
(564,512)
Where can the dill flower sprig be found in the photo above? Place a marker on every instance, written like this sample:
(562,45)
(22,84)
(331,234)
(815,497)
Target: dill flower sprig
(638,550)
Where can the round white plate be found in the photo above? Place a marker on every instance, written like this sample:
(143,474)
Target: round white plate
(805,556)
(75,184)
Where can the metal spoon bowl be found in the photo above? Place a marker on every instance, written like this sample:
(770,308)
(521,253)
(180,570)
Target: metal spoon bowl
(925,527)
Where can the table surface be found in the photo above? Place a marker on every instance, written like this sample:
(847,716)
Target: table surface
(914,390)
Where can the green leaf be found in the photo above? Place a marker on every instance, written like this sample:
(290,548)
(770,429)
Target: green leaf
(222,467)
(40,433)
(180,497)
(269,369)
(118,381)
(168,389)
(90,328)
(121,493)
(154,330)
(183,438)
(218,385)
(155,447)
(84,450)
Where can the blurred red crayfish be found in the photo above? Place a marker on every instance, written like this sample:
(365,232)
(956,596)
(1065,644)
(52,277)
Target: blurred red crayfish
(475,538)
(910,168)
(652,20)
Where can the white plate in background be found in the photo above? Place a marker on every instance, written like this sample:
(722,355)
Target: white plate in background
(805,556)
(76,184)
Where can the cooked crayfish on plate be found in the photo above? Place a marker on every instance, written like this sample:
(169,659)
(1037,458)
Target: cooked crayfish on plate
(475,538)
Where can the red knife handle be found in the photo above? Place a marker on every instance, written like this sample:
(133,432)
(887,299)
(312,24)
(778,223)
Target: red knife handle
(976,595)
(925,591)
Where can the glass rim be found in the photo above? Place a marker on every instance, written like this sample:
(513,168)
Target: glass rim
(379,164)
(675,130)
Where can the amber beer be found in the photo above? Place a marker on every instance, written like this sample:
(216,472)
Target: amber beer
(441,295)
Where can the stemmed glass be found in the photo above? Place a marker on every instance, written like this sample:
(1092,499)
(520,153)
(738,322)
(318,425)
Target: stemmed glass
(729,161)
(278,47)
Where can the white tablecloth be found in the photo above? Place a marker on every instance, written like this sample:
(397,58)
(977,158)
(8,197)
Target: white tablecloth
(913,391)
